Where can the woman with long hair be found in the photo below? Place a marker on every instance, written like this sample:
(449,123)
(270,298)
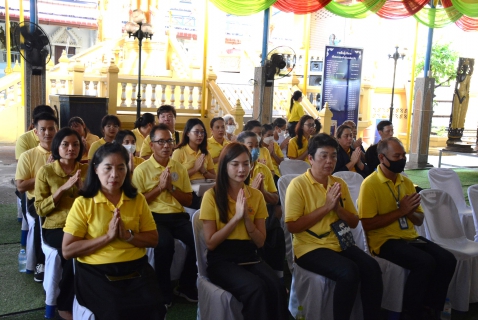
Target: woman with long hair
(56,187)
(142,128)
(349,158)
(298,145)
(234,229)
(108,230)
(295,112)
(110,125)
(87,138)
(274,150)
(217,141)
(281,134)
(193,154)
(128,140)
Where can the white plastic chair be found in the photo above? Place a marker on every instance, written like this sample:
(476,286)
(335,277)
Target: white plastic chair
(311,291)
(293,167)
(213,302)
(445,229)
(448,181)
(473,199)
(353,181)
(52,277)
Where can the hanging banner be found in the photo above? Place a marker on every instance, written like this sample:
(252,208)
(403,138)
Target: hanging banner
(341,80)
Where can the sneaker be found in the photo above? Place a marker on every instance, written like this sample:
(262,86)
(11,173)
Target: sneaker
(190,294)
(39,272)
(168,305)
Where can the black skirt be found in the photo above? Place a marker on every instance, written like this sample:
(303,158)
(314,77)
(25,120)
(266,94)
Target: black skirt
(124,290)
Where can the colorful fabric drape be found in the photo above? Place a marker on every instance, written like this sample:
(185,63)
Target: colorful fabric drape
(301,6)
(437,18)
(358,10)
(398,9)
(467,7)
(243,7)
(465,23)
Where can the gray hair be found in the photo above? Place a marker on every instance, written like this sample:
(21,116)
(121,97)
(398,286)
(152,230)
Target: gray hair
(227,117)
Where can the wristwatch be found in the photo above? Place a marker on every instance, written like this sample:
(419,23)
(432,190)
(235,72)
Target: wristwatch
(172,189)
(131,235)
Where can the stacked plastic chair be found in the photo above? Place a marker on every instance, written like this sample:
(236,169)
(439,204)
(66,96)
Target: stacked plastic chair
(473,199)
(293,167)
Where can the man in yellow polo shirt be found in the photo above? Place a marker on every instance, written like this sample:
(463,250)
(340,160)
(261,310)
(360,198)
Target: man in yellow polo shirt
(167,116)
(29,163)
(166,187)
(389,208)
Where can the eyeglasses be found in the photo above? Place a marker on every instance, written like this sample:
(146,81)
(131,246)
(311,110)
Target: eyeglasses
(198,133)
(162,142)
(310,125)
(166,116)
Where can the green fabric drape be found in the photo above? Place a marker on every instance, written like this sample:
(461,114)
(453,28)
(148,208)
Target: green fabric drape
(467,7)
(437,18)
(243,7)
(358,10)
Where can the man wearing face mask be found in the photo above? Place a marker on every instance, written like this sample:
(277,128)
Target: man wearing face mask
(389,208)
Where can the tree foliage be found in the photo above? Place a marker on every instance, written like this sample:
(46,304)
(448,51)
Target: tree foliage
(442,63)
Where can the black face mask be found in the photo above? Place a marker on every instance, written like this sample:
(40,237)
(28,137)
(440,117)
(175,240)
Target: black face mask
(396,166)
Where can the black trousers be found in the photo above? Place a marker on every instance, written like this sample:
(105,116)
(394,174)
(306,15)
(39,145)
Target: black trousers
(273,251)
(431,269)
(255,285)
(170,227)
(39,255)
(349,269)
(64,302)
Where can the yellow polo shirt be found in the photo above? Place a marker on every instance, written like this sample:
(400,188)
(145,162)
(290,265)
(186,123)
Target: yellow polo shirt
(296,114)
(375,198)
(187,157)
(146,178)
(95,146)
(49,179)
(146,148)
(293,150)
(269,185)
(349,153)
(215,149)
(280,154)
(89,218)
(139,139)
(29,163)
(137,161)
(256,209)
(303,196)
(26,141)
(90,139)
(264,154)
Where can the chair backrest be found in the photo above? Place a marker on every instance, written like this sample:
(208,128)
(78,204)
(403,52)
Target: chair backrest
(448,181)
(441,214)
(200,244)
(353,181)
(293,167)
(282,185)
(473,198)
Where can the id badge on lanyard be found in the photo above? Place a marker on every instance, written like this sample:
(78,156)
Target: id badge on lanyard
(402,221)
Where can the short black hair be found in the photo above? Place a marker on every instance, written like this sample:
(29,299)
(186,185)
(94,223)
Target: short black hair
(279,122)
(166,108)
(160,127)
(318,125)
(382,124)
(213,120)
(42,108)
(109,118)
(123,133)
(58,138)
(44,116)
(251,124)
(144,120)
(244,135)
(319,141)
(93,184)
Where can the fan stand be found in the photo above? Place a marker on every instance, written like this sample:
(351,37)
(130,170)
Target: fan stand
(35,90)
(263,103)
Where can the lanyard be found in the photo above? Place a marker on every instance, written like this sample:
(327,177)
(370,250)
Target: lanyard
(397,198)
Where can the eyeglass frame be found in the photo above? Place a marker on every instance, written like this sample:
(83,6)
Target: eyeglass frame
(162,142)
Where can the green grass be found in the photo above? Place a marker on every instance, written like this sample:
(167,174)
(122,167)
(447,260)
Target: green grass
(9,225)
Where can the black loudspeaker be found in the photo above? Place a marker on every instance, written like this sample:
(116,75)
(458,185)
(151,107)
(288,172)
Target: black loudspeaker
(90,109)
(316,66)
(315,80)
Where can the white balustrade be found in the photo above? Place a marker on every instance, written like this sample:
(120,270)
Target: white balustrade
(133,95)
(123,94)
(143,95)
(153,96)
(87,87)
(172,95)
(181,98)
(190,99)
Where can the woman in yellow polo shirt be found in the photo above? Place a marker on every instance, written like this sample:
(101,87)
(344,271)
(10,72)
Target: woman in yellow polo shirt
(319,212)
(142,128)
(128,139)
(108,230)
(298,145)
(193,154)
(217,141)
(87,138)
(294,112)
(234,228)
(56,187)
(264,155)
(348,158)
(110,125)
(273,147)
